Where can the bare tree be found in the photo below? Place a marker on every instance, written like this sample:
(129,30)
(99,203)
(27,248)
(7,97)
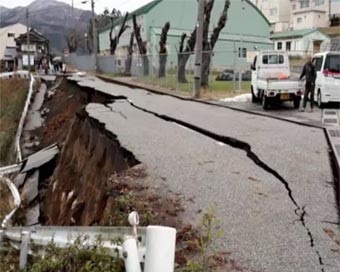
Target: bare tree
(141,46)
(129,57)
(115,40)
(72,37)
(208,46)
(184,54)
(163,50)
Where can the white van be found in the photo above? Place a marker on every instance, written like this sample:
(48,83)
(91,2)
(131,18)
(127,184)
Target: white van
(327,84)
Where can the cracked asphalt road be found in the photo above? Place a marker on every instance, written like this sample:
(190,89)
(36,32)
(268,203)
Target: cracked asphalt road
(263,227)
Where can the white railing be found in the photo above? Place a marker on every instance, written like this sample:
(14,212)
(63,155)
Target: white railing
(10,169)
(154,245)
(16,197)
(21,74)
(22,121)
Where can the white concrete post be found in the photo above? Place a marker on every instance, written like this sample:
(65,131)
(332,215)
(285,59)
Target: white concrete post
(131,256)
(25,239)
(160,249)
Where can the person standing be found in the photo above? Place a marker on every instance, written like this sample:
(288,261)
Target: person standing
(309,73)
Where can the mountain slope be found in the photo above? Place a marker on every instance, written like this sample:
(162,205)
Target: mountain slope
(51,18)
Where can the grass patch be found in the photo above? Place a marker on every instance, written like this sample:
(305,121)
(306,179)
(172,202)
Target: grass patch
(74,258)
(13,94)
(170,82)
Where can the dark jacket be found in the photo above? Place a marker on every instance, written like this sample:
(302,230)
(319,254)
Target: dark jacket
(309,72)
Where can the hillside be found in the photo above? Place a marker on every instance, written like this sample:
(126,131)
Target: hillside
(51,18)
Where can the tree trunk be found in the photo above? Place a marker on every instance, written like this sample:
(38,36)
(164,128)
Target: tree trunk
(128,61)
(209,46)
(114,41)
(182,59)
(184,55)
(141,46)
(205,72)
(163,51)
(146,63)
(162,65)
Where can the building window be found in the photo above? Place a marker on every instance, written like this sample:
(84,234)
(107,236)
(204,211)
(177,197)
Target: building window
(288,46)
(299,20)
(294,7)
(10,35)
(319,2)
(242,52)
(279,45)
(304,3)
(273,12)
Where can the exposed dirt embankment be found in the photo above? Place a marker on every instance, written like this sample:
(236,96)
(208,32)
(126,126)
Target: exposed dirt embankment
(95,181)
(79,188)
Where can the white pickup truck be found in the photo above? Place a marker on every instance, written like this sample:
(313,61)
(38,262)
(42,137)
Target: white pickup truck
(270,80)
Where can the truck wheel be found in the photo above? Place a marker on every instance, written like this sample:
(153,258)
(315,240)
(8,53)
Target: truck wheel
(253,97)
(265,102)
(297,101)
(319,100)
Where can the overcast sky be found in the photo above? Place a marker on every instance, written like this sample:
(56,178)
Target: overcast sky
(100,5)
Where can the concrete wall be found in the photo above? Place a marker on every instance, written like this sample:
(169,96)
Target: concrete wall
(80,62)
(107,64)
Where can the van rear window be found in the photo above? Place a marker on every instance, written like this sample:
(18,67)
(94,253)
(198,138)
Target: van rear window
(332,63)
(272,59)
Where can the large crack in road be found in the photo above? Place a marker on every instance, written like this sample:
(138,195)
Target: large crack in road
(235,143)
(299,210)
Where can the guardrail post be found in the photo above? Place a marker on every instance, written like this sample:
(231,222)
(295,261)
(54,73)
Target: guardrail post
(25,239)
(160,249)
(131,256)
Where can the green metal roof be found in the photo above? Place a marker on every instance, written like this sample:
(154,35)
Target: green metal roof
(146,8)
(293,34)
(259,11)
(142,10)
(223,36)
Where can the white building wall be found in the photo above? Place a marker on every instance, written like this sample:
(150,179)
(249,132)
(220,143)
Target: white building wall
(304,44)
(289,10)
(5,40)
(276,11)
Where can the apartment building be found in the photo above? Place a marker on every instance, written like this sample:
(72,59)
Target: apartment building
(8,46)
(276,11)
(298,14)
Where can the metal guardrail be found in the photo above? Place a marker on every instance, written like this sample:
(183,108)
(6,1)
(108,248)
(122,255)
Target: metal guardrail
(154,245)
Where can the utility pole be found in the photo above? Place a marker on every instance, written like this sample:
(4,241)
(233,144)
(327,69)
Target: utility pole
(199,47)
(28,41)
(94,34)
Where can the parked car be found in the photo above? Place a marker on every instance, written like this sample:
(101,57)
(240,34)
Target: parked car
(327,84)
(270,79)
(228,75)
